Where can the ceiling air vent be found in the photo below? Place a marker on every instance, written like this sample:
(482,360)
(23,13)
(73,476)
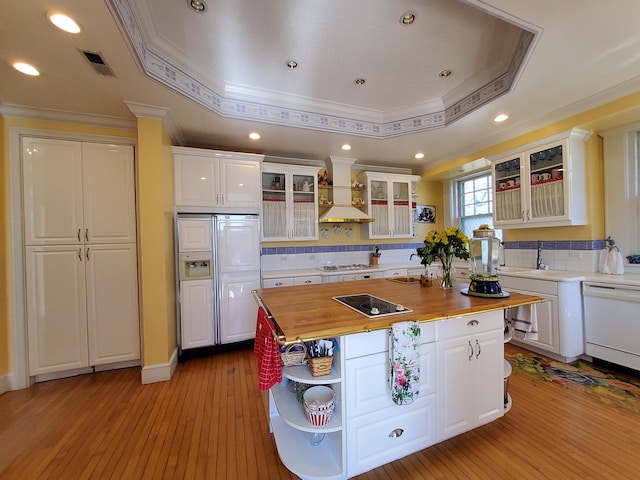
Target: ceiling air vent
(97,62)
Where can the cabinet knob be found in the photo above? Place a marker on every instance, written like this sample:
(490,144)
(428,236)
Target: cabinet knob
(396,433)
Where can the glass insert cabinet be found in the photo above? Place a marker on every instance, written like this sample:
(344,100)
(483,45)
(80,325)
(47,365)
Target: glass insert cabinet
(289,202)
(388,200)
(542,184)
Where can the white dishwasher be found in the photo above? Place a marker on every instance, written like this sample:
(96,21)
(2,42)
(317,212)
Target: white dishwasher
(612,322)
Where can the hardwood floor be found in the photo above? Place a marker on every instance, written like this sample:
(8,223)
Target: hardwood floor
(209,422)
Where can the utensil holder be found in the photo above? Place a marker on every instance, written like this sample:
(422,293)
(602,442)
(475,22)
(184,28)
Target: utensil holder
(320,365)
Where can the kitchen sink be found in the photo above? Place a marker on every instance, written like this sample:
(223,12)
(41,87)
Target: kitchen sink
(406,279)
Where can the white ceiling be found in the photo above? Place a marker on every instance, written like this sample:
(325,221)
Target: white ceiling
(222,74)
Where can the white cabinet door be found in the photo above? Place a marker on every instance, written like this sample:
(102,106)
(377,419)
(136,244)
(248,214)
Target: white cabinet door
(238,309)
(108,193)
(195,235)
(240,183)
(470,372)
(112,303)
(196,178)
(52,192)
(196,314)
(56,308)
(238,244)
(227,181)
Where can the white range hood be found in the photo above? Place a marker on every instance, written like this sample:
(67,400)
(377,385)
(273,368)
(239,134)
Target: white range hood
(342,211)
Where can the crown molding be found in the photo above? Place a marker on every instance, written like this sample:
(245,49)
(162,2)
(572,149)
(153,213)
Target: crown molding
(61,116)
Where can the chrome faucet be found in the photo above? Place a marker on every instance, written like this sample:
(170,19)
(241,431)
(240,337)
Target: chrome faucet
(539,264)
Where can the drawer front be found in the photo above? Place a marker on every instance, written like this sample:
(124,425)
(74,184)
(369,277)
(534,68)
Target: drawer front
(307,280)
(389,434)
(469,324)
(368,343)
(549,287)
(368,388)
(277,282)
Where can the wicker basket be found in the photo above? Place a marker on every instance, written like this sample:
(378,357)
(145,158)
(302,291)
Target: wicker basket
(320,365)
(293,357)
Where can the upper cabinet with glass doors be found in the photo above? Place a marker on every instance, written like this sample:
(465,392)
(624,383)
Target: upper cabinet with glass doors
(289,202)
(389,201)
(541,184)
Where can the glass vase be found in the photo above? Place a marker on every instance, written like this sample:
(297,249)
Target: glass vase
(446,272)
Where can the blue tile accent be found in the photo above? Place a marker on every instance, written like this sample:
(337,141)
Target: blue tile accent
(524,245)
(580,245)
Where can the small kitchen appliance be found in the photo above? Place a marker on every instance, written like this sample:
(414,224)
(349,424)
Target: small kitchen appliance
(484,252)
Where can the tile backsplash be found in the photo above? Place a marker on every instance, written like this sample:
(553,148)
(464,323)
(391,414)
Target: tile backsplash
(580,255)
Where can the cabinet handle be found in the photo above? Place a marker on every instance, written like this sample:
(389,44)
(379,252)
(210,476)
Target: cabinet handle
(222,197)
(87,253)
(217,198)
(80,254)
(278,284)
(86,235)
(396,433)
(528,215)
(470,350)
(307,281)
(522,215)
(472,323)
(479,349)
(79,235)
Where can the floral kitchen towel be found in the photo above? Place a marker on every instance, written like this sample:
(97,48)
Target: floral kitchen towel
(404,362)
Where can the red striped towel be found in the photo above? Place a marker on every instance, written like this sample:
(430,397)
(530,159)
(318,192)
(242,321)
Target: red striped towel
(266,352)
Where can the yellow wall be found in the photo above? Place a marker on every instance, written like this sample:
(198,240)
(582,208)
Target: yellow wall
(611,115)
(155,190)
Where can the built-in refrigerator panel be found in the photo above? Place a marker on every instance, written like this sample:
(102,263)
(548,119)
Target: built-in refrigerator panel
(217,308)
(238,254)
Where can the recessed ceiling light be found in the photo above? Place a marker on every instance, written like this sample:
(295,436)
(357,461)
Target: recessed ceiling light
(407,19)
(65,23)
(346,146)
(292,64)
(445,73)
(197,5)
(26,69)
(359,81)
(501,118)
(254,136)
(419,155)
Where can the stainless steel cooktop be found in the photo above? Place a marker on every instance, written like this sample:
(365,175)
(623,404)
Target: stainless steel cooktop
(371,306)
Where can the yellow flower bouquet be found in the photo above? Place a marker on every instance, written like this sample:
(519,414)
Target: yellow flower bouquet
(443,246)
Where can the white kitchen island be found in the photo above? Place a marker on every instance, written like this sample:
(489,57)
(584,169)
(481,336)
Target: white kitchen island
(461,379)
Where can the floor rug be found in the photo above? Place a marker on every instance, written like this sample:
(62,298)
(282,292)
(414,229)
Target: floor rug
(615,387)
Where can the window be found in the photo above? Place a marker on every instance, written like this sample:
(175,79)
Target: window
(475,203)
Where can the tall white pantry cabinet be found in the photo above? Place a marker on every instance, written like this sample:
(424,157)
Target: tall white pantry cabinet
(80,254)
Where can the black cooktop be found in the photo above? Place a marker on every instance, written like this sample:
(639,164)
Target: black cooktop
(371,306)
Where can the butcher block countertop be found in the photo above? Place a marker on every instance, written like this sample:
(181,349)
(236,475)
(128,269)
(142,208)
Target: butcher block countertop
(308,312)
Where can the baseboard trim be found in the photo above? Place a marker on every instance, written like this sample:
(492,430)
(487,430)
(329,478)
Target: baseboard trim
(7,383)
(160,372)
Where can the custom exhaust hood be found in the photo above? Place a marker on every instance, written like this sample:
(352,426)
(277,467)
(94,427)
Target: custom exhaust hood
(342,211)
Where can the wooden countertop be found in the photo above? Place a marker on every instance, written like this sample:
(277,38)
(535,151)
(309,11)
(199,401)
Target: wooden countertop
(308,312)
